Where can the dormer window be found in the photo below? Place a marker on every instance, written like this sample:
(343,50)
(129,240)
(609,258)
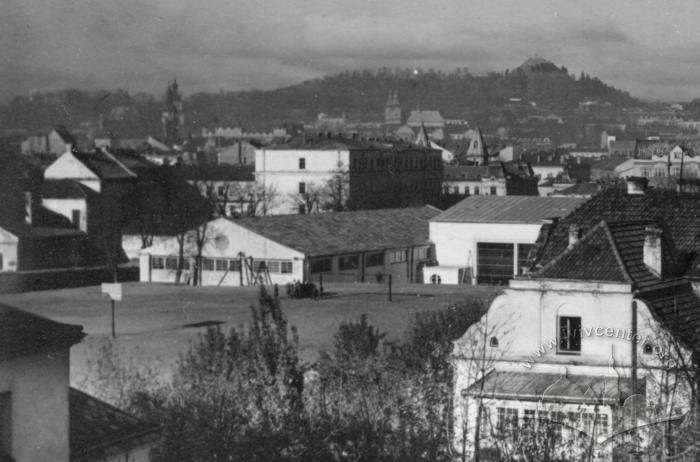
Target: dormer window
(493,342)
(569,335)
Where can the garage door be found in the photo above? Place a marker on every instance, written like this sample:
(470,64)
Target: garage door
(494,263)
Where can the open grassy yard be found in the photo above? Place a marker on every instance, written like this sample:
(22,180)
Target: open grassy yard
(152,321)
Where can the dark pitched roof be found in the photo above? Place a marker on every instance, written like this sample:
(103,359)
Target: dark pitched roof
(64,189)
(23,333)
(104,165)
(610,252)
(678,215)
(509,209)
(345,232)
(65,135)
(471,173)
(677,307)
(98,430)
(580,189)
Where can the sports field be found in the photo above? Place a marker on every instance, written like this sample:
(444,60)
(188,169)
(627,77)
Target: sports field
(153,322)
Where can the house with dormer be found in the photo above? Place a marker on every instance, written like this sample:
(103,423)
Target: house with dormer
(587,346)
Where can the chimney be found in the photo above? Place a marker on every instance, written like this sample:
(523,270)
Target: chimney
(28,207)
(652,250)
(636,185)
(574,235)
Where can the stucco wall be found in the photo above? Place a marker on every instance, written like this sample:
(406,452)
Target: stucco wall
(39,388)
(65,207)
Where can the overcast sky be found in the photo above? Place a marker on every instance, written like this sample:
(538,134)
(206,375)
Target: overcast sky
(649,48)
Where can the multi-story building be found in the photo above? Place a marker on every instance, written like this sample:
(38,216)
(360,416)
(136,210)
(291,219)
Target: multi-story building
(305,176)
(590,346)
(662,162)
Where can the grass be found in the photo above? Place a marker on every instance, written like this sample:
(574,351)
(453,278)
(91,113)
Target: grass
(155,323)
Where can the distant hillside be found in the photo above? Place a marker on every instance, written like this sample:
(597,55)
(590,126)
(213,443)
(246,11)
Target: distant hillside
(360,94)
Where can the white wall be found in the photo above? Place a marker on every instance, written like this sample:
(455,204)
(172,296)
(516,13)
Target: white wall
(225,240)
(67,166)
(456,243)
(65,207)
(8,249)
(39,388)
(280,169)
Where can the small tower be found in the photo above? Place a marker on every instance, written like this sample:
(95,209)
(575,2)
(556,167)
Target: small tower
(476,153)
(173,117)
(392,110)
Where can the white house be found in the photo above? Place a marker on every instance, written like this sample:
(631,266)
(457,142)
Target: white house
(486,239)
(588,345)
(363,246)
(41,417)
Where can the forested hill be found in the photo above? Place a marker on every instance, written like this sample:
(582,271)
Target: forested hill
(360,94)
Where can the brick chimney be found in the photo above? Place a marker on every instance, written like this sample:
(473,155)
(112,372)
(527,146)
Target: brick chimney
(636,185)
(652,250)
(574,235)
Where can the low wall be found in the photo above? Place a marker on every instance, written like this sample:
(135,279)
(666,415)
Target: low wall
(27,281)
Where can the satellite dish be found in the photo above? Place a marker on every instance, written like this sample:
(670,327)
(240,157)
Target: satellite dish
(221,242)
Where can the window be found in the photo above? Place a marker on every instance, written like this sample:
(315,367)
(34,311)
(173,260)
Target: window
(273,266)
(494,263)
(569,334)
(645,172)
(221,190)
(493,190)
(435,279)
(171,263)
(157,263)
(76,218)
(507,418)
(221,265)
(374,259)
(493,342)
(347,262)
(523,253)
(234,265)
(676,171)
(6,424)
(397,256)
(207,264)
(422,253)
(321,265)
(302,188)
(476,190)
(302,163)
(286,267)
(455,190)
(259,265)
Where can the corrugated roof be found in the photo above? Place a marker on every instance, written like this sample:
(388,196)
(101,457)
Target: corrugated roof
(23,333)
(345,232)
(509,209)
(530,386)
(98,430)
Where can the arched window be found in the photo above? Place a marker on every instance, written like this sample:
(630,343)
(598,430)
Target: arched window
(435,279)
(493,342)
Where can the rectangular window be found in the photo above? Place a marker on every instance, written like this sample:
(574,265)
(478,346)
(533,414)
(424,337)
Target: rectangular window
(286,267)
(171,263)
(347,262)
(221,190)
(259,265)
(302,163)
(476,190)
(76,218)
(273,266)
(374,259)
(507,419)
(397,256)
(493,190)
(234,265)
(221,265)
(207,264)
(6,424)
(569,334)
(455,189)
(302,188)
(157,263)
(321,265)
(494,262)
(422,253)
(302,209)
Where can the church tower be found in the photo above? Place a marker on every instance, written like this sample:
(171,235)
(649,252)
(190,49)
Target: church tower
(173,117)
(392,110)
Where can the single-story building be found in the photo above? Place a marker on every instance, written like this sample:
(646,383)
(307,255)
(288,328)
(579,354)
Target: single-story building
(487,239)
(358,246)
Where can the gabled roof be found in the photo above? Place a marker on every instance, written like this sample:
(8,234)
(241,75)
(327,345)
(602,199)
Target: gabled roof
(345,232)
(425,117)
(104,165)
(65,135)
(98,430)
(23,333)
(677,214)
(509,209)
(610,252)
